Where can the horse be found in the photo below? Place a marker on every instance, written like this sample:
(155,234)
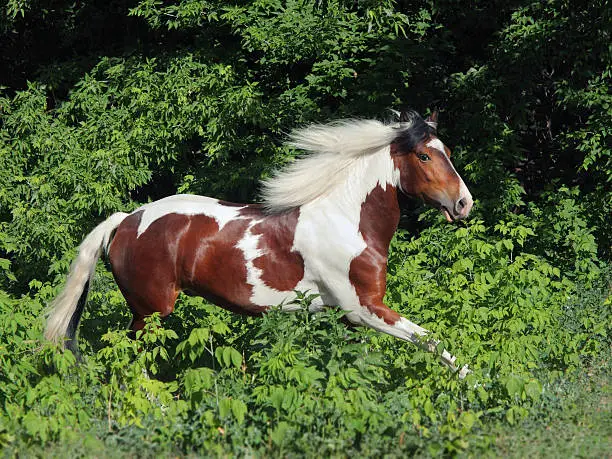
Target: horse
(324,227)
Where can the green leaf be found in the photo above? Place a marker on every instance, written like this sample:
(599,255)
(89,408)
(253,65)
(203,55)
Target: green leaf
(533,389)
(236,358)
(280,433)
(225,407)
(514,385)
(239,410)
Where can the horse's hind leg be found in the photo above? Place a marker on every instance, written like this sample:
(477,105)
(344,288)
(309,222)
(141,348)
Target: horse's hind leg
(137,323)
(147,295)
(161,299)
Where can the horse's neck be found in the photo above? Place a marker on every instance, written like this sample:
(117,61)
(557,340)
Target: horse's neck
(379,218)
(367,200)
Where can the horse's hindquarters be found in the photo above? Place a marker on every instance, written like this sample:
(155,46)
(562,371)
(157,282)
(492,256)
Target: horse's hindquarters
(145,267)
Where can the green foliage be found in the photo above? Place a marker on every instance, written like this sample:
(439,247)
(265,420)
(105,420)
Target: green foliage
(11,10)
(538,110)
(105,107)
(306,384)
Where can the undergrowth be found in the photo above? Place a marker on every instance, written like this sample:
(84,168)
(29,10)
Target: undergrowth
(209,382)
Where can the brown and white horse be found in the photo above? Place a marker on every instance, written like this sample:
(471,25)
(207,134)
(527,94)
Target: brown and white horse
(324,227)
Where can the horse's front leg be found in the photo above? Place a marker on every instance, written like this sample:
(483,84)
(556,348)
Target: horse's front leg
(380,317)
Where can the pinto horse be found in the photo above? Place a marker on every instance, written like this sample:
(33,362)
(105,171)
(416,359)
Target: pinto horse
(324,227)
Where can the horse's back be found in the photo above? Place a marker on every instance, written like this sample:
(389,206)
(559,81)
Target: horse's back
(187,204)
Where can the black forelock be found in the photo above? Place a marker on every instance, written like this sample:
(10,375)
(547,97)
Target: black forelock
(413,129)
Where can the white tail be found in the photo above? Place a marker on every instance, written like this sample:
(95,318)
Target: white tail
(65,311)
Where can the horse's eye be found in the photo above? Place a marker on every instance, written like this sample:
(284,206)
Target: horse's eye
(423,157)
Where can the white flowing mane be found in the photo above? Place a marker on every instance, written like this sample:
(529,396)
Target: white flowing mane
(332,151)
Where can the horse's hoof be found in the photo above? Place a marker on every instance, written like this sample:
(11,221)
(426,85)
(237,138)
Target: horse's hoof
(464,372)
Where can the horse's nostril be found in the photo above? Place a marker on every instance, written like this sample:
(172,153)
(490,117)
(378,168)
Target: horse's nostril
(463,206)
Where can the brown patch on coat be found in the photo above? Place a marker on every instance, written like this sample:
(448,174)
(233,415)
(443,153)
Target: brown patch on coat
(213,267)
(231,204)
(368,272)
(281,267)
(254,211)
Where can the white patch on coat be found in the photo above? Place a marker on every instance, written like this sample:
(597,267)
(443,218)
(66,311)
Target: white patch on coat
(437,144)
(186,204)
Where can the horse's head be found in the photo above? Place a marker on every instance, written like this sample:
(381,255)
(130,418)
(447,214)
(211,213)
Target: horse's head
(425,168)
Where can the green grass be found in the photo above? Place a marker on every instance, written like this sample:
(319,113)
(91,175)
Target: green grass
(574,420)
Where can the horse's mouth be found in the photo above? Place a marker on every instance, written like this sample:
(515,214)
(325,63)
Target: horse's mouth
(447,214)
(442,208)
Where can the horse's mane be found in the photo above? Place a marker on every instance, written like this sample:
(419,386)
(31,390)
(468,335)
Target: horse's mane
(331,151)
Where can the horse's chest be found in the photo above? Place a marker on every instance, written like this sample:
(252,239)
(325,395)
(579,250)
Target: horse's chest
(328,242)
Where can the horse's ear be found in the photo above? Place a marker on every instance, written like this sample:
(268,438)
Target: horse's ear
(404,117)
(432,119)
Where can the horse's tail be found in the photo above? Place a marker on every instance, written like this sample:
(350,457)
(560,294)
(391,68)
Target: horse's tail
(66,310)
